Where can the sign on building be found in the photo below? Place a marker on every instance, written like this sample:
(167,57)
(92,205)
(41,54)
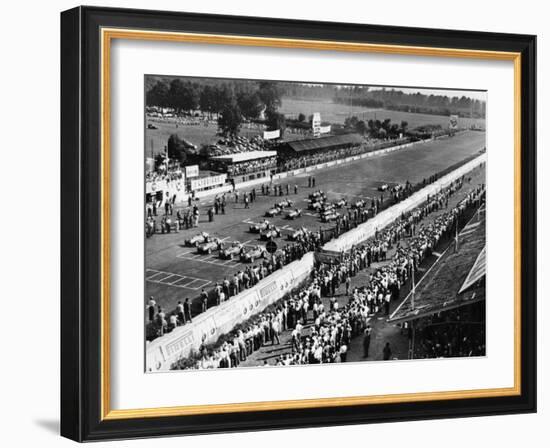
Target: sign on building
(270,135)
(324,129)
(316,124)
(191,171)
(208,182)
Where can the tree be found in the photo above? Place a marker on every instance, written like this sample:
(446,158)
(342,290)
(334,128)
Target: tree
(270,95)
(159,161)
(158,95)
(301,117)
(207,100)
(250,104)
(404,126)
(275,120)
(361,127)
(230,119)
(177,149)
(184,96)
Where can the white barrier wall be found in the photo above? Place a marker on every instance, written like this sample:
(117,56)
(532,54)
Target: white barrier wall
(386,217)
(163,351)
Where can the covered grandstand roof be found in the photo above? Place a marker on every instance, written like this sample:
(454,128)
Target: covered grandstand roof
(455,280)
(244,156)
(325,142)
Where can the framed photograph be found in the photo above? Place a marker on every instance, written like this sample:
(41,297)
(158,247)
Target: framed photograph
(276,224)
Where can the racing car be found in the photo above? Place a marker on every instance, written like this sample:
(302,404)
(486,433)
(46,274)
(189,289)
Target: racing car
(314,205)
(253,254)
(284,204)
(341,203)
(317,195)
(270,232)
(197,239)
(293,214)
(330,217)
(274,211)
(208,246)
(235,249)
(359,204)
(258,227)
(297,234)
(383,187)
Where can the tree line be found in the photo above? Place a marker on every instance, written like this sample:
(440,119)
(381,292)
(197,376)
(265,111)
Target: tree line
(232,102)
(393,99)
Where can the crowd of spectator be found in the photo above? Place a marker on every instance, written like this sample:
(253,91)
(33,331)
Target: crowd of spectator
(328,339)
(454,333)
(302,161)
(252,166)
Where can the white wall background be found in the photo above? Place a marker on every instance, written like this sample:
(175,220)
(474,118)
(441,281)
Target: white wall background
(29,117)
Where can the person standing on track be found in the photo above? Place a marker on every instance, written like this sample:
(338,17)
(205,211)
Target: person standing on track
(366,341)
(187,310)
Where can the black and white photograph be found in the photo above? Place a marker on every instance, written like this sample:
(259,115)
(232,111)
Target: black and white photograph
(291,223)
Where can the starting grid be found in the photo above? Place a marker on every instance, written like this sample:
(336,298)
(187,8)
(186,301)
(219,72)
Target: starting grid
(170,279)
(209,259)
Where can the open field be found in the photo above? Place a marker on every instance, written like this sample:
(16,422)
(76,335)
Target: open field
(175,271)
(337,113)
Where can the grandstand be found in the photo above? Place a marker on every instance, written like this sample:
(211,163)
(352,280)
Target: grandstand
(249,165)
(457,278)
(316,145)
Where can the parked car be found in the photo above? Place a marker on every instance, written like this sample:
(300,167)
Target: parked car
(270,232)
(258,227)
(285,203)
(315,205)
(208,246)
(340,203)
(235,249)
(296,234)
(359,204)
(151,126)
(197,239)
(253,254)
(293,214)
(274,211)
(330,217)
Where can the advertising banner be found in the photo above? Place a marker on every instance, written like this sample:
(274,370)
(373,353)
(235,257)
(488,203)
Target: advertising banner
(208,182)
(210,325)
(270,135)
(364,231)
(316,124)
(191,171)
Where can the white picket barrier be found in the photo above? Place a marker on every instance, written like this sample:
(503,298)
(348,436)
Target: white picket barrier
(162,352)
(386,217)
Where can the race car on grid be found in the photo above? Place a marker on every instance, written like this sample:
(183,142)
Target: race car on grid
(285,203)
(270,232)
(274,211)
(359,204)
(197,239)
(293,214)
(330,217)
(259,226)
(296,234)
(253,254)
(383,187)
(235,249)
(208,246)
(341,203)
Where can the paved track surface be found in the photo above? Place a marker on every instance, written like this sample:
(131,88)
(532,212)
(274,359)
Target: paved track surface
(174,271)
